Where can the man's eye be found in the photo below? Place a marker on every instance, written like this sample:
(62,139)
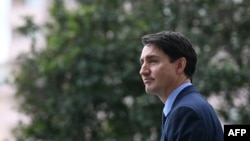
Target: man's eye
(153,61)
(141,63)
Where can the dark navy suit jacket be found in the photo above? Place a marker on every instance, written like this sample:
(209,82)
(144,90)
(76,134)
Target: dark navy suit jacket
(192,118)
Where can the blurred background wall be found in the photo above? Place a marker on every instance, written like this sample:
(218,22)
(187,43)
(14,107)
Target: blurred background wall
(12,44)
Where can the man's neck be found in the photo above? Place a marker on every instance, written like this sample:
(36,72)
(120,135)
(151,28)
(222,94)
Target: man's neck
(163,97)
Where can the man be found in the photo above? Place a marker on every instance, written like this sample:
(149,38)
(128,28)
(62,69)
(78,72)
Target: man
(168,62)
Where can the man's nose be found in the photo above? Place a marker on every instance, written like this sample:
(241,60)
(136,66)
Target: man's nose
(144,69)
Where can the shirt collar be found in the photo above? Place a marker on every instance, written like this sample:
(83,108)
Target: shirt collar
(169,102)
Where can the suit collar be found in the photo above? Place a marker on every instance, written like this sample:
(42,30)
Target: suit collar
(169,102)
(188,90)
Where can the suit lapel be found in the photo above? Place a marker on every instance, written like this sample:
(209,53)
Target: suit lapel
(184,92)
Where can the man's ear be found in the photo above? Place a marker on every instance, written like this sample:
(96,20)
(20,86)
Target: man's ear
(181,64)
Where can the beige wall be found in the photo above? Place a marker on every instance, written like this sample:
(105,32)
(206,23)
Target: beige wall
(12,43)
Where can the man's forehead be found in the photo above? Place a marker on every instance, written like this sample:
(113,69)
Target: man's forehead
(150,51)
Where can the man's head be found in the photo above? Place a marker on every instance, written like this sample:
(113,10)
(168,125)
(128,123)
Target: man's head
(167,60)
(175,45)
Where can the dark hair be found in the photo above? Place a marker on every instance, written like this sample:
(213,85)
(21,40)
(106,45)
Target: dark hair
(175,45)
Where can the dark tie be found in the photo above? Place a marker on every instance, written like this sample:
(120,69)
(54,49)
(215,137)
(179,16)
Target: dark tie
(163,120)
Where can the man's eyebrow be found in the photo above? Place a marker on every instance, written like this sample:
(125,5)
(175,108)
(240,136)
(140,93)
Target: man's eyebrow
(149,57)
